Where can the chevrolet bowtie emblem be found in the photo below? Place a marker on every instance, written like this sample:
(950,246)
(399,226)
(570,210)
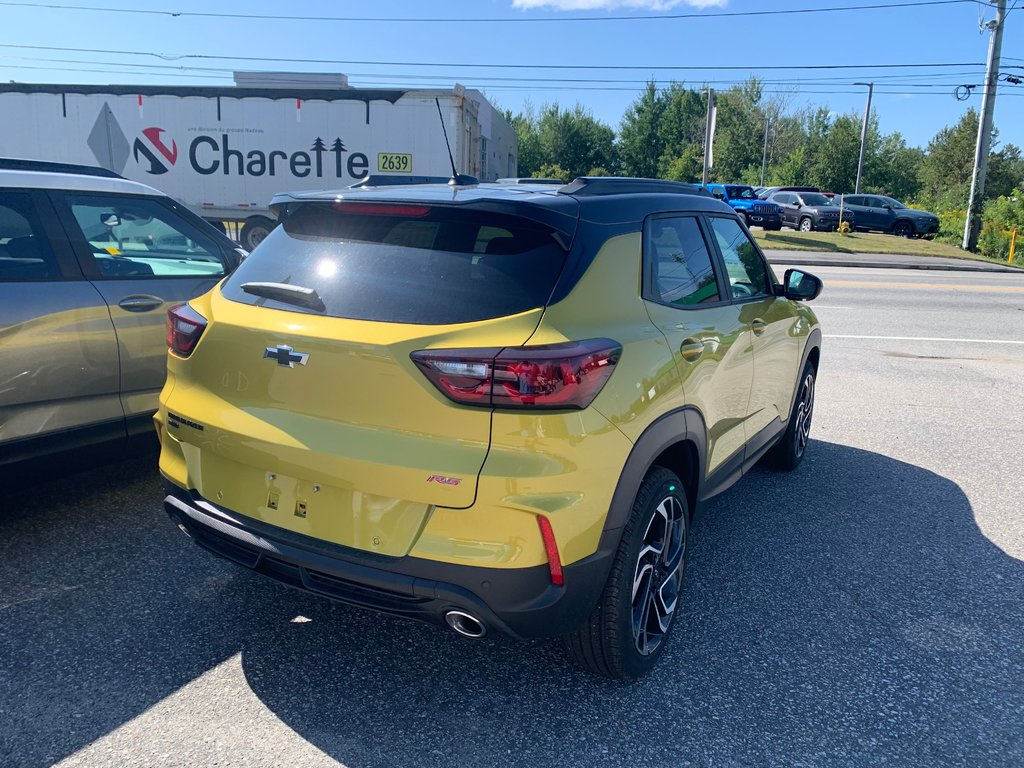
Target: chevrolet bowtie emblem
(285,356)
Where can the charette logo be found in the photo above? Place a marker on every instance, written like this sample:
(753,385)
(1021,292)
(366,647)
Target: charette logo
(145,148)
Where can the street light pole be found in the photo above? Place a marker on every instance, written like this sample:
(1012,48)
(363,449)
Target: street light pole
(863,136)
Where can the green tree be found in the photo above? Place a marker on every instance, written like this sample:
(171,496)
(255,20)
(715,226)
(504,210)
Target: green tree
(525,126)
(575,140)
(739,131)
(681,132)
(640,143)
(946,168)
(893,169)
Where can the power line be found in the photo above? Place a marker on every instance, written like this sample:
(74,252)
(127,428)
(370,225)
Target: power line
(481,20)
(172,68)
(476,65)
(796,90)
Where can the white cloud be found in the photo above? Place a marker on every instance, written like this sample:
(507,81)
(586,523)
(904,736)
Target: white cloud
(611,5)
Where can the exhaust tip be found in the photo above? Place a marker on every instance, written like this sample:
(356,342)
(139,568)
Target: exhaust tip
(465,624)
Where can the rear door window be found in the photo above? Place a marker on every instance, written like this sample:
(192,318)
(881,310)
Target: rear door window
(418,264)
(25,252)
(678,262)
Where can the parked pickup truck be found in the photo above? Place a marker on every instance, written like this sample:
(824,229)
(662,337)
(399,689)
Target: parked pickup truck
(754,212)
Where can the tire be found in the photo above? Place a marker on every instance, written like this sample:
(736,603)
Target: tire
(743,218)
(255,231)
(621,640)
(774,228)
(806,225)
(903,229)
(787,454)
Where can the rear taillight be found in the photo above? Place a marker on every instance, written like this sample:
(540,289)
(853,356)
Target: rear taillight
(552,376)
(184,327)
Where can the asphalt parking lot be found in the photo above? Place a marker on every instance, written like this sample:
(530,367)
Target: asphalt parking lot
(864,610)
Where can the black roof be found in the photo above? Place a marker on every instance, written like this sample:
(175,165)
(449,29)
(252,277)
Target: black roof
(44,166)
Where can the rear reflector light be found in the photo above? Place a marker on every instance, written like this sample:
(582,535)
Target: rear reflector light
(383,209)
(184,327)
(551,548)
(552,376)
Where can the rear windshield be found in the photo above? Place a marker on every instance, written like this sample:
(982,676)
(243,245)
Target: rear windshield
(404,263)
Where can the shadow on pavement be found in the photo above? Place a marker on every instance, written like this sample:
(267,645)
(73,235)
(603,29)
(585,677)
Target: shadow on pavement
(849,613)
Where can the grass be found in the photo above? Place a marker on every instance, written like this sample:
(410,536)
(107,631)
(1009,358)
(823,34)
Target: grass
(861,242)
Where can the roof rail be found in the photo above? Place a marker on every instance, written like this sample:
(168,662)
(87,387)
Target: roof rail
(44,166)
(624,185)
(529,180)
(390,179)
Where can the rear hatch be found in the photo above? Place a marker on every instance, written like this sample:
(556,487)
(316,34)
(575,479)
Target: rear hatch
(313,416)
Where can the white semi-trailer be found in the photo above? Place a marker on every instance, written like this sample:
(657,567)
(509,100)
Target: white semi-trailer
(225,151)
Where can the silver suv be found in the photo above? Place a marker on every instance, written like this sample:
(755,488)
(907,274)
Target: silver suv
(89,264)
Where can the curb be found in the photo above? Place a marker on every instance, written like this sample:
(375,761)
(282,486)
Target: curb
(967,267)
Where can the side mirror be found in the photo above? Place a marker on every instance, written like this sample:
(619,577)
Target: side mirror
(719,194)
(801,286)
(110,219)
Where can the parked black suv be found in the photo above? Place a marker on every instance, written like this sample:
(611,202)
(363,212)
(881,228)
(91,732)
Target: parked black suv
(884,214)
(808,211)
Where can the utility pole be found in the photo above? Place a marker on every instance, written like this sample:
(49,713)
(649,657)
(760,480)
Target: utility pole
(709,136)
(863,136)
(988,106)
(764,155)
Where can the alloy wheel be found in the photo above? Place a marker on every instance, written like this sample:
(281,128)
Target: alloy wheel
(805,410)
(658,577)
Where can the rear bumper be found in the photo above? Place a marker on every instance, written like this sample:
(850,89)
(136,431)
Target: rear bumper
(520,602)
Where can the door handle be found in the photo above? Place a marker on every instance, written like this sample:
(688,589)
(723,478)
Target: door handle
(140,303)
(758,326)
(691,349)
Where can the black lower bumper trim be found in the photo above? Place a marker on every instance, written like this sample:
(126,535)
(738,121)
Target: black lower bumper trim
(520,602)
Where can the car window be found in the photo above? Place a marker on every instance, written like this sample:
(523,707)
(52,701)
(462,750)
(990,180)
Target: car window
(424,265)
(741,193)
(784,199)
(814,198)
(748,275)
(25,253)
(854,200)
(140,237)
(680,262)
(896,204)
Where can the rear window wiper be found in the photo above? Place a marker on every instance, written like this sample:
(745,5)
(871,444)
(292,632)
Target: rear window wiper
(288,294)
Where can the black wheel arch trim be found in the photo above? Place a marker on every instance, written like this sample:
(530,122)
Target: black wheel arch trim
(682,425)
(813,343)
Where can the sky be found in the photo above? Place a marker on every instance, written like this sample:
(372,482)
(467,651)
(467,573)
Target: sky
(598,53)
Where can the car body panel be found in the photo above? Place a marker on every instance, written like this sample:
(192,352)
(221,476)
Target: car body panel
(358,419)
(59,366)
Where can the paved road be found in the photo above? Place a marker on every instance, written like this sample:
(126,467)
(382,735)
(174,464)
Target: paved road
(864,610)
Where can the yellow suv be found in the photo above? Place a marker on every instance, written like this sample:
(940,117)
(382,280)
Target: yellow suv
(495,407)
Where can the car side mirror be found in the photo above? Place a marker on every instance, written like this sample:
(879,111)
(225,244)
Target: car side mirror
(110,220)
(801,286)
(719,195)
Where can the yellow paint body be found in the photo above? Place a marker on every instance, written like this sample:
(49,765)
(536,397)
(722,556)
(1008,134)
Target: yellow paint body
(343,448)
